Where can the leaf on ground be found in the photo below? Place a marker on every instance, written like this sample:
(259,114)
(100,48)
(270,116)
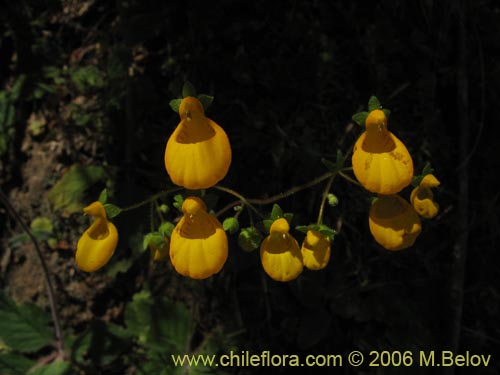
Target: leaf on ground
(24,328)
(68,193)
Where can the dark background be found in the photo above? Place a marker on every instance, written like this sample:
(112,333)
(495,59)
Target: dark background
(287,76)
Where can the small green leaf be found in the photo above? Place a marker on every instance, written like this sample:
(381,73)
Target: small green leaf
(175,104)
(163,208)
(386,112)
(103,197)
(373,103)
(330,165)
(42,224)
(267,224)
(166,229)
(112,210)
(188,90)
(154,238)
(425,171)
(360,118)
(276,212)
(288,217)
(249,239)
(231,225)
(206,100)
(178,201)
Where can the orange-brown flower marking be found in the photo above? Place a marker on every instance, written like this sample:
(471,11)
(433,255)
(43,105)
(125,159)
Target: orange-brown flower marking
(380,161)
(315,250)
(393,222)
(98,243)
(422,197)
(280,253)
(198,245)
(198,153)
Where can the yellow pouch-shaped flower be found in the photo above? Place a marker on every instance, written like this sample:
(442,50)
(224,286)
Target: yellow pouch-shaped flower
(198,153)
(280,253)
(198,245)
(380,161)
(98,243)
(393,222)
(315,250)
(422,197)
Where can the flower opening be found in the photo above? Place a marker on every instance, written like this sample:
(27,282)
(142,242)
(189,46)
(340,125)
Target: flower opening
(97,244)
(380,161)
(198,153)
(198,245)
(280,253)
(422,197)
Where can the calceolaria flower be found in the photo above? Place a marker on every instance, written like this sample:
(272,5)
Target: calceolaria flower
(198,245)
(393,222)
(380,161)
(422,197)
(280,253)
(198,153)
(98,243)
(315,250)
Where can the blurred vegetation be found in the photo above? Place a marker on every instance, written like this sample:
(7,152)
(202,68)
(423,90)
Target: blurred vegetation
(85,87)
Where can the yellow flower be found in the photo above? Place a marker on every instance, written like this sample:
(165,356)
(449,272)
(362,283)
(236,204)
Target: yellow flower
(393,222)
(380,161)
(98,243)
(198,153)
(315,250)
(422,197)
(198,245)
(280,253)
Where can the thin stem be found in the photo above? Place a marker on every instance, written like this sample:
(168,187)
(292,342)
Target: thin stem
(151,199)
(350,179)
(240,197)
(323,198)
(50,289)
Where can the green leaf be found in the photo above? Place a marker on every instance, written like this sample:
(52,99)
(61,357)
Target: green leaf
(175,104)
(288,217)
(57,367)
(103,197)
(163,208)
(425,171)
(155,238)
(231,225)
(249,239)
(276,212)
(17,87)
(68,194)
(42,224)
(188,90)
(267,224)
(373,103)
(206,100)
(325,230)
(24,328)
(112,210)
(386,112)
(14,364)
(360,118)
(178,201)
(87,77)
(166,229)
(159,324)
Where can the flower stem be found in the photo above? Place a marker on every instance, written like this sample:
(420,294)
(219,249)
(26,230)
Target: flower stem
(151,199)
(323,198)
(350,179)
(240,197)
(50,289)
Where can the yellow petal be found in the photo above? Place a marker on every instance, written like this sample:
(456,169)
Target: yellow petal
(315,250)
(280,253)
(198,245)
(394,223)
(430,181)
(422,200)
(98,243)
(198,153)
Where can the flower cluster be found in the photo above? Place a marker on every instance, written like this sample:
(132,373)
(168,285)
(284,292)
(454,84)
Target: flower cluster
(383,165)
(198,156)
